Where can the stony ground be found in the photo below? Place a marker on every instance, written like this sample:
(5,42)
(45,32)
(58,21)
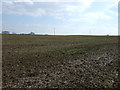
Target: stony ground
(93,69)
(96,66)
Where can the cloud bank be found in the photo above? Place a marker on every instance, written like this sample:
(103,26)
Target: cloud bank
(78,12)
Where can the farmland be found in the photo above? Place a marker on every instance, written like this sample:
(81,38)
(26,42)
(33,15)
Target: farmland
(40,61)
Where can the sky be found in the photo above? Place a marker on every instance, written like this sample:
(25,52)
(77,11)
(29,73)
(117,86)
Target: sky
(67,17)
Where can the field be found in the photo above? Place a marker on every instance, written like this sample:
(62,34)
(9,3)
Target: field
(40,61)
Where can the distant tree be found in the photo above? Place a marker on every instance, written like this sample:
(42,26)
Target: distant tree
(22,33)
(5,32)
(32,33)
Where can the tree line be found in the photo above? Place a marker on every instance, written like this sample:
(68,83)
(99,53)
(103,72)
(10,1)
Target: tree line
(7,32)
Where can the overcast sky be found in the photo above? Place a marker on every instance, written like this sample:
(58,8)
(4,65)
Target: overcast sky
(84,17)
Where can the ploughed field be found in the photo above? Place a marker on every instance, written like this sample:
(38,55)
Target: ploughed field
(36,61)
